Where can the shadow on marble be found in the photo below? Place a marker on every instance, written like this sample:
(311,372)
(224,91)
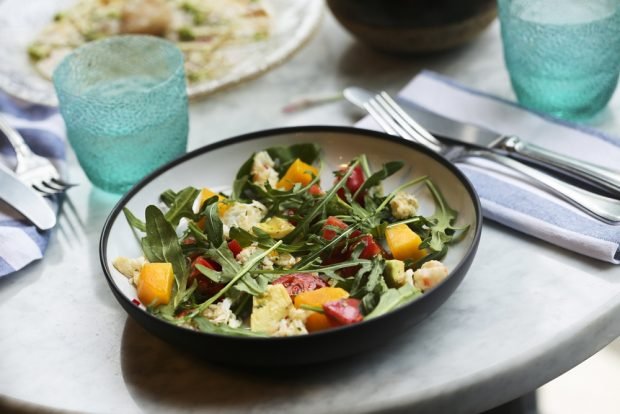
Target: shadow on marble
(385,67)
(159,375)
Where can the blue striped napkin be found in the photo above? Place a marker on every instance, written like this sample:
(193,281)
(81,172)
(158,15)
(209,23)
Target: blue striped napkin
(506,197)
(43,129)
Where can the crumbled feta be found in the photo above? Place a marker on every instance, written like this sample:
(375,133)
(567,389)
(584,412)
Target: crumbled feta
(263,171)
(409,277)
(403,206)
(293,324)
(130,267)
(429,275)
(244,216)
(221,314)
(283,260)
(247,252)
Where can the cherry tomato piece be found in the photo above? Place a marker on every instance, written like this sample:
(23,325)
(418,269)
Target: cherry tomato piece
(315,190)
(297,283)
(343,311)
(354,182)
(234,247)
(371,248)
(329,234)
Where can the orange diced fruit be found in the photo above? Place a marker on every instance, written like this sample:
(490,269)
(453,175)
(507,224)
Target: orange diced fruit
(206,194)
(404,243)
(298,172)
(317,321)
(155,284)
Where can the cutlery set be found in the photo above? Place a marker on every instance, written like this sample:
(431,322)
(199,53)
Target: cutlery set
(458,141)
(34,178)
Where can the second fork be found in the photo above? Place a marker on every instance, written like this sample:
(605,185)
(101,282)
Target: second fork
(34,170)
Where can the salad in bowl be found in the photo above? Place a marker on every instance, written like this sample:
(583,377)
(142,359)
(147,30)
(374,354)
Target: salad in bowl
(282,252)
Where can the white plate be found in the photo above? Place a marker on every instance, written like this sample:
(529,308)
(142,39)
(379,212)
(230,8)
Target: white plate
(21,21)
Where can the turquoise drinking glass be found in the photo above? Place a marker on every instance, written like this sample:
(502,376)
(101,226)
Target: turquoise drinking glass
(563,56)
(124,103)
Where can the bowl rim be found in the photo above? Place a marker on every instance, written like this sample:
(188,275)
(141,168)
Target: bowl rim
(256,135)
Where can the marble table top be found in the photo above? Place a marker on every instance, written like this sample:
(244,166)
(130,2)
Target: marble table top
(525,313)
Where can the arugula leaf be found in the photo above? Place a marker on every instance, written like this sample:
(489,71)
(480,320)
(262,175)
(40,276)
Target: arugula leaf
(224,257)
(253,285)
(392,299)
(213,226)
(182,205)
(133,220)
(161,244)
(205,325)
(442,229)
(388,169)
(167,197)
(214,275)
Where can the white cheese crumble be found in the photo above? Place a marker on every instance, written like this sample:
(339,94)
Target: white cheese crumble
(283,260)
(221,314)
(244,216)
(293,324)
(429,275)
(130,267)
(404,205)
(263,171)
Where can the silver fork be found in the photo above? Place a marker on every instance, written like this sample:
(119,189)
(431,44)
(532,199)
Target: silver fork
(394,120)
(31,168)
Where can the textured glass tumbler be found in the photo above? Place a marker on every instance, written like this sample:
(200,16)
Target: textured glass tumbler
(124,102)
(563,56)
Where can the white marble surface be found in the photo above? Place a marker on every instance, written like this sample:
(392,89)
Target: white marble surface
(525,313)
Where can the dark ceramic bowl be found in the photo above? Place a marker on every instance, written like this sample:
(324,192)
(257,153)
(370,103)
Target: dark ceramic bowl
(414,26)
(215,166)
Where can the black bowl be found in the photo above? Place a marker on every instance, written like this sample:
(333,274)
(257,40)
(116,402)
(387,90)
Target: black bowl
(216,164)
(414,26)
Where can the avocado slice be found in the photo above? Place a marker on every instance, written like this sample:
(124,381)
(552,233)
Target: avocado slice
(394,273)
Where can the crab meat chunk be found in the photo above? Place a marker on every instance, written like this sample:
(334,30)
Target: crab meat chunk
(429,275)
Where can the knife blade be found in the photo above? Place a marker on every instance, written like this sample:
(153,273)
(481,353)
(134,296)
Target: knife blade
(25,200)
(456,132)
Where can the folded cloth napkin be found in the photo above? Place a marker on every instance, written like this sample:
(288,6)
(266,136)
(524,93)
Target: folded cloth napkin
(507,198)
(43,131)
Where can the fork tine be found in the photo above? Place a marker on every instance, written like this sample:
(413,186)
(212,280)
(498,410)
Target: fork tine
(381,117)
(62,183)
(402,118)
(45,190)
(389,124)
(53,186)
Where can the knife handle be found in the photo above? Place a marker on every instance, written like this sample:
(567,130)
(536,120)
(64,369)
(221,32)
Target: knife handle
(600,207)
(601,177)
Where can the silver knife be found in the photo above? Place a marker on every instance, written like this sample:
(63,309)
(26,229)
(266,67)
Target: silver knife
(457,132)
(25,200)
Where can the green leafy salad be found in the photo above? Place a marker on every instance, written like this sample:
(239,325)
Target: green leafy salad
(285,254)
